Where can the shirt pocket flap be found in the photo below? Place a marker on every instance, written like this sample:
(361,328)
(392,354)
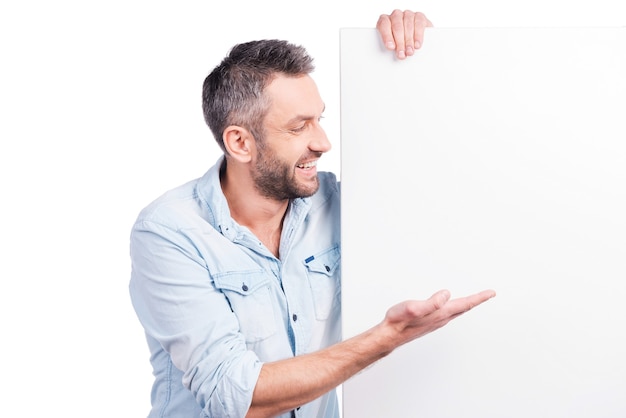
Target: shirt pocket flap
(242,282)
(325,263)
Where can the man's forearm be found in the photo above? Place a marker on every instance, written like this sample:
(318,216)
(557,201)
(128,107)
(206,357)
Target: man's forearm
(287,384)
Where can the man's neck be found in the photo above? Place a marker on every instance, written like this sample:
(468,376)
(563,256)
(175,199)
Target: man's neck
(261,215)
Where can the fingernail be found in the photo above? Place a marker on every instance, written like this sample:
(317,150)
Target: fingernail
(409,50)
(401,55)
(417,45)
(390,45)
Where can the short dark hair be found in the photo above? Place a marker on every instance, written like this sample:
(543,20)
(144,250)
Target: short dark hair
(232,94)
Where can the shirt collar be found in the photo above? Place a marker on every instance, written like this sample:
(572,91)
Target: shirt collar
(210,192)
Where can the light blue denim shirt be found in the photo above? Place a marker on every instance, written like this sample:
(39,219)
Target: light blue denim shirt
(215,303)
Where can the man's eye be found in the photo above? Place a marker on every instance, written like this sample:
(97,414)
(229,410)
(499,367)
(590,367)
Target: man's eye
(299,128)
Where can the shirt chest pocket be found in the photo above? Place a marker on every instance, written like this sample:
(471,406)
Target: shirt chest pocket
(323,271)
(250,298)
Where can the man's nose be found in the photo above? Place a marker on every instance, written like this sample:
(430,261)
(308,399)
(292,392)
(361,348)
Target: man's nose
(320,142)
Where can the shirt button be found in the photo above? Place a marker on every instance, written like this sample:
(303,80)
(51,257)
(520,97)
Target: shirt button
(327,268)
(244,287)
(294,317)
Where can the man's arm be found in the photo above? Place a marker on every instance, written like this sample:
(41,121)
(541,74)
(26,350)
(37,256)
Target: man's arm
(287,384)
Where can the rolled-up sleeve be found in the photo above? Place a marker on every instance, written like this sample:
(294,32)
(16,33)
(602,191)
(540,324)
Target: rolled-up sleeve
(179,306)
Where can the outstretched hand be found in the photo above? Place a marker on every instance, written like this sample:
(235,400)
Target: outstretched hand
(403,31)
(415,318)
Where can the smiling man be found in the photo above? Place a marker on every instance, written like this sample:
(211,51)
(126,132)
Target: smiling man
(236,275)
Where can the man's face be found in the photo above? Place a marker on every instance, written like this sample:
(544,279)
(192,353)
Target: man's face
(286,159)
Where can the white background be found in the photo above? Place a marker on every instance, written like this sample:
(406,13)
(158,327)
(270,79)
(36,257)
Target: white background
(100,113)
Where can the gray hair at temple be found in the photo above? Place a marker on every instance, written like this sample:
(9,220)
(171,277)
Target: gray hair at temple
(233,93)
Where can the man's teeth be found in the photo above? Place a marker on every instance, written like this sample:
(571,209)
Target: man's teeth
(308,165)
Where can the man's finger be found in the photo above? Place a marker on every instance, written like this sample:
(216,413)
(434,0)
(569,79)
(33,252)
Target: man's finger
(421,22)
(384,28)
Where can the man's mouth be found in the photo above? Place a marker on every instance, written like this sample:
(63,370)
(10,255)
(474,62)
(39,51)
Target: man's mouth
(307,165)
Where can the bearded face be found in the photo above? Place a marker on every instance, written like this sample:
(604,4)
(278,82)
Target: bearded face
(278,179)
(285,162)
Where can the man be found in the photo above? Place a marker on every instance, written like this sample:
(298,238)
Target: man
(236,275)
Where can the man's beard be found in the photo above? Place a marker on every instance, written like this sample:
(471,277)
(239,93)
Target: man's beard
(275,179)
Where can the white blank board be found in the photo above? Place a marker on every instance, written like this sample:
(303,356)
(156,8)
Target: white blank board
(493,158)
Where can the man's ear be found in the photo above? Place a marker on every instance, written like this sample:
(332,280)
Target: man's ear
(239,143)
